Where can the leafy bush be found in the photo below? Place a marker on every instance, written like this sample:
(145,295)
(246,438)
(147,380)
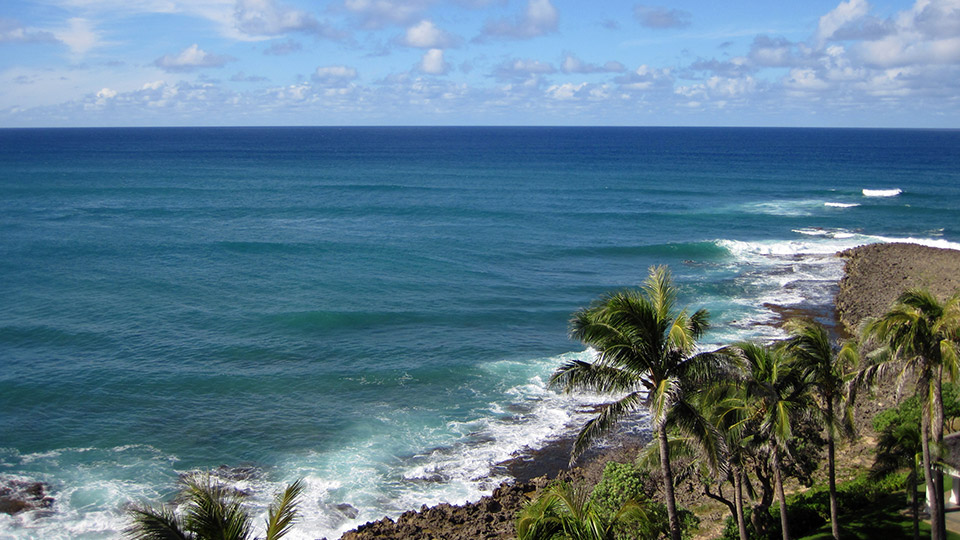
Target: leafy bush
(810,510)
(622,482)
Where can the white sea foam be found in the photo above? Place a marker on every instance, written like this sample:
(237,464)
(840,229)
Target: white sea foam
(782,207)
(882,192)
(931,242)
(840,204)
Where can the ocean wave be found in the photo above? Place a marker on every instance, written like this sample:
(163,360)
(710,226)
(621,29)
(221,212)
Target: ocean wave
(881,192)
(841,205)
(830,233)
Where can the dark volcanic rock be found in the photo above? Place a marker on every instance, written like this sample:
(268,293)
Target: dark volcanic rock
(18,496)
(876,274)
(491,517)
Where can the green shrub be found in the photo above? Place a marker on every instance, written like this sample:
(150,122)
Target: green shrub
(810,510)
(625,481)
(620,482)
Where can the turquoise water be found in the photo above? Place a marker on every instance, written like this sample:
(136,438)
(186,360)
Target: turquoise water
(377,309)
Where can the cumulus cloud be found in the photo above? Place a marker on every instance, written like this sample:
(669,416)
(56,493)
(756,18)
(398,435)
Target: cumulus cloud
(522,69)
(374,14)
(645,78)
(661,17)
(766,51)
(722,88)
(928,34)
(432,63)
(572,64)
(334,76)
(540,18)
(12,31)
(426,35)
(839,17)
(734,67)
(190,59)
(268,18)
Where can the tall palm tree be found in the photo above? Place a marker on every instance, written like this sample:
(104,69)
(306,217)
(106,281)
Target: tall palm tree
(774,397)
(646,351)
(827,370)
(213,511)
(920,335)
(898,447)
(567,512)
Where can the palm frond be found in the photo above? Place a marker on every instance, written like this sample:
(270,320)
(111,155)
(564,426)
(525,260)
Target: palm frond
(214,510)
(662,398)
(593,377)
(603,422)
(283,513)
(660,291)
(156,524)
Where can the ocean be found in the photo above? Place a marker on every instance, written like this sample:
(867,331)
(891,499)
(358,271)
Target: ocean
(377,310)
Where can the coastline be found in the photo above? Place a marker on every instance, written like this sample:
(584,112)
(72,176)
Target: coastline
(874,275)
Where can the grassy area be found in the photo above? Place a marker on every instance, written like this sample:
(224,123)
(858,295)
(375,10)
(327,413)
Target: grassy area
(883,520)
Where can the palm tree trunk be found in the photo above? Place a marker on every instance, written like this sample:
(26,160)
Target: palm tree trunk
(671,501)
(831,472)
(738,501)
(937,435)
(933,499)
(781,498)
(913,501)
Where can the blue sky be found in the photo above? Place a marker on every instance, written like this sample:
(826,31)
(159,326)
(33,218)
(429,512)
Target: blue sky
(479,62)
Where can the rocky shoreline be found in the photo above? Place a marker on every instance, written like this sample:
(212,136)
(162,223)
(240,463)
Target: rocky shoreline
(874,276)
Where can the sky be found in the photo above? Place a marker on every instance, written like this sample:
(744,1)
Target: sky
(853,63)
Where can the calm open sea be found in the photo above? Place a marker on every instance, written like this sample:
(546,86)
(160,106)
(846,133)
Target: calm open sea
(377,309)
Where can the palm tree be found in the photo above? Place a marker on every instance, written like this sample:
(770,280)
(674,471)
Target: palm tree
(898,447)
(919,334)
(566,512)
(774,397)
(645,350)
(213,511)
(827,371)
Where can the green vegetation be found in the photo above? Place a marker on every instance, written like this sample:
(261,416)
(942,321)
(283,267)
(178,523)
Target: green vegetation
(920,335)
(646,351)
(750,416)
(213,511)
(617,509)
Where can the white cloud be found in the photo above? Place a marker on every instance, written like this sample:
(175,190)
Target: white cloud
(928,34)
(334,76)
(844,14)
(572,64)
(191,58)
(522,69)
(776,52)
(268,18)
(661,17)
(79,35)
(374,14)
(432,63)
(426,35)
(12,31)
(566,91)
(540,18)
(646,78)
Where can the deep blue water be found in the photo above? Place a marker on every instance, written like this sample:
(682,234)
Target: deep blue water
(377,309)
